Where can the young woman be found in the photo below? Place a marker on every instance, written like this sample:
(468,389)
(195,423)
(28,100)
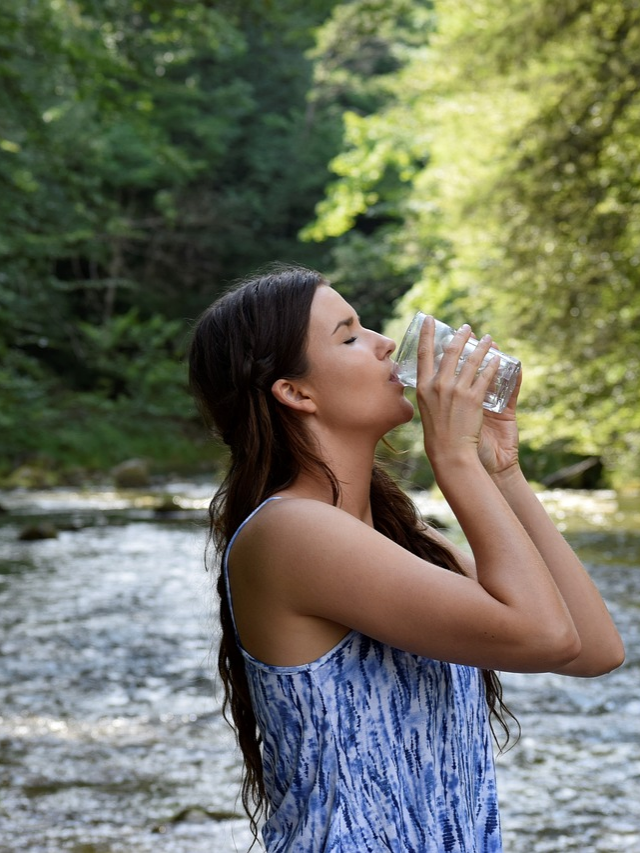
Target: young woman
(358,644)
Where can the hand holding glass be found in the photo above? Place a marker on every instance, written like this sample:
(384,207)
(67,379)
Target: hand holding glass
(499,392)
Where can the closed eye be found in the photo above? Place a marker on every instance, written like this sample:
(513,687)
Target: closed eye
(350,340)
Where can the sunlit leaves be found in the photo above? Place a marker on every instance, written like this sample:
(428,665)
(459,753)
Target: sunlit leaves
(537,176)
(361,55)
(519,205)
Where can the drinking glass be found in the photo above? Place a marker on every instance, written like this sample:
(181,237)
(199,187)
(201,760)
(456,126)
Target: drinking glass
(499,392)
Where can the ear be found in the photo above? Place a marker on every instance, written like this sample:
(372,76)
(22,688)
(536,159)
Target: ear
(289,393)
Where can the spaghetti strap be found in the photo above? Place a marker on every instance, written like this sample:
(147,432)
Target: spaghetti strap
(225,563)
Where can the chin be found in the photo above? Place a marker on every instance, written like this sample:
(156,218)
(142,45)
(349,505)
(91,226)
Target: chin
(410,409)
(406,412)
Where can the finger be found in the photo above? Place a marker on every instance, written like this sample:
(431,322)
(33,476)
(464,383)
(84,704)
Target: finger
(477,352)
(513,399)
(486,377)
(476,359)
(426,347)
(453,349)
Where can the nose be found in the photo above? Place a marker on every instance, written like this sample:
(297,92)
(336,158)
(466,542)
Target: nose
(385,345)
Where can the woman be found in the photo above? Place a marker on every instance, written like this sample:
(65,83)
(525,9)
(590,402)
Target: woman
(358,644)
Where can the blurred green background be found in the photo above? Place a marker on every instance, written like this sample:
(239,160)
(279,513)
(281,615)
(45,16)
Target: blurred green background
(479,160)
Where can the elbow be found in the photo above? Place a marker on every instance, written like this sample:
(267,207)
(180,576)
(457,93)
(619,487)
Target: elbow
(614,660)
(608,659)
(547,646)
(568,645)
(560,647)
(600,662)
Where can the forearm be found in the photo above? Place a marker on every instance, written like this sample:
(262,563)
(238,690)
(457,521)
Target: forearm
(602,648)
(508,565)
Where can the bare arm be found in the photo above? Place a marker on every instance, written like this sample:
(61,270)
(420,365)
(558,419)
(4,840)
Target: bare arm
(602,648)
(507,562)
(300,585)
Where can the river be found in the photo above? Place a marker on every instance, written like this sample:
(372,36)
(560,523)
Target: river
(111,733)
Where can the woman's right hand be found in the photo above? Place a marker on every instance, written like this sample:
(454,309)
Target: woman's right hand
(450,402)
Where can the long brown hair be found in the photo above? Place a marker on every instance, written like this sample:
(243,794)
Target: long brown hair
(254,334)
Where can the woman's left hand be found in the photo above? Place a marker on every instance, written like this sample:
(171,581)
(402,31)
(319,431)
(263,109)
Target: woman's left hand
(498,445)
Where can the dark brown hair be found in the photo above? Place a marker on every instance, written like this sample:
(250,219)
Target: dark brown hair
(254,334)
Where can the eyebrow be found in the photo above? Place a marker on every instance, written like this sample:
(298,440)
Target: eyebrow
(348,322)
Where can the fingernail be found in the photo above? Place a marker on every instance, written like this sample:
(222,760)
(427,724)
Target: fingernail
(465,328)
(486,337)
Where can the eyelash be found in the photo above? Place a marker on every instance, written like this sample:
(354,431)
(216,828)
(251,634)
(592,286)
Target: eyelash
(351,340)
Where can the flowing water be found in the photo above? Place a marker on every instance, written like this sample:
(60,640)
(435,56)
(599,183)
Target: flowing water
(111,733)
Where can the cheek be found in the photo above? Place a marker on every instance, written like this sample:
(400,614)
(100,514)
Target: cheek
(330,376)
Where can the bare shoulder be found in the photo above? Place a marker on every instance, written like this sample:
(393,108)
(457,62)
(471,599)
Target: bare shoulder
(281,573)
(296,529)
(304,572)
(318,561)
(288,515)
(309,545)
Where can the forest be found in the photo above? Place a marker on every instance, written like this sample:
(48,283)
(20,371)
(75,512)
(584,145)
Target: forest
(476,159)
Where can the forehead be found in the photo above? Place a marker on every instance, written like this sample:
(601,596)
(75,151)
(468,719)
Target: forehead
(327,308)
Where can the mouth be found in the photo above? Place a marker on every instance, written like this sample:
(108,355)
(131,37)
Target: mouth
(394,374)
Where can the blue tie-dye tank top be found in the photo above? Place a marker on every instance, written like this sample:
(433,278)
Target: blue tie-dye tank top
(370,749)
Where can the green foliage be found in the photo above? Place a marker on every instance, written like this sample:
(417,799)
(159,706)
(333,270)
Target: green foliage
(127,398)
(360,55)
(484,166)
(130,357)
(519,124)
(547,226)
(149,153)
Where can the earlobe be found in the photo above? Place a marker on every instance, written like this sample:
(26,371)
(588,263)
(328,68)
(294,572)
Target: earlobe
(290,394)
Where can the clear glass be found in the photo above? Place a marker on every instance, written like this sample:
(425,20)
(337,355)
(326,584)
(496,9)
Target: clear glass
(498,394)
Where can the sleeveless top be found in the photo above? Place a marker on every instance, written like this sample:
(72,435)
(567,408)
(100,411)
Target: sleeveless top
(370,749)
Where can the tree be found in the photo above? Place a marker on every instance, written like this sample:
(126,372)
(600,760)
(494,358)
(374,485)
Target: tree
(526,211)
(546,229)
(149,153)
(359,57)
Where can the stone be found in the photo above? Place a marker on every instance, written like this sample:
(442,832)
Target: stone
(131,474)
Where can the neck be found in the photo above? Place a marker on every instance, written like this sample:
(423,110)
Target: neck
(352,464)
